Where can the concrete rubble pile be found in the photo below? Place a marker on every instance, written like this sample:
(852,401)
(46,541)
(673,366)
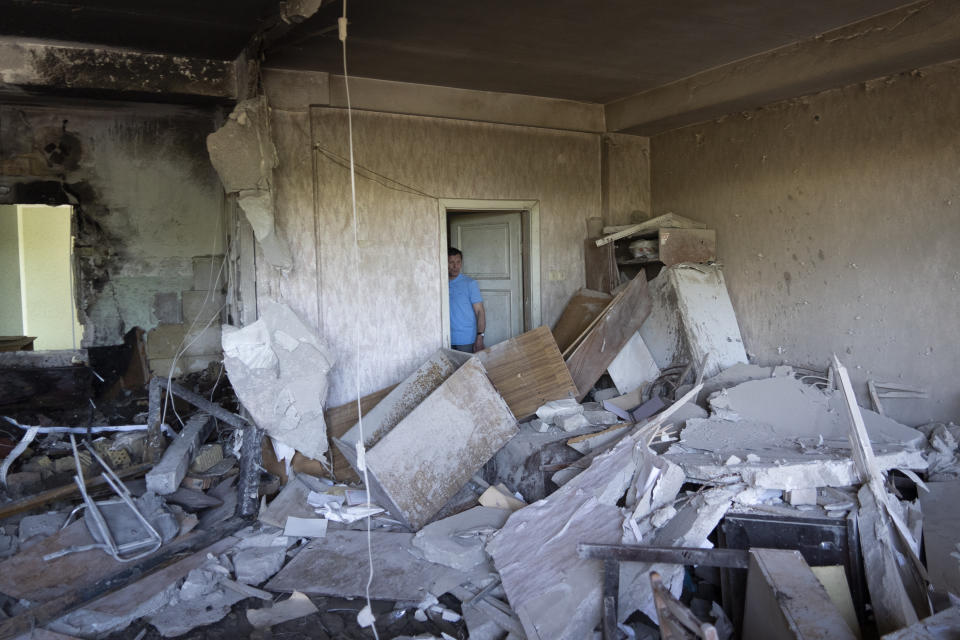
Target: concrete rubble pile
(685,484)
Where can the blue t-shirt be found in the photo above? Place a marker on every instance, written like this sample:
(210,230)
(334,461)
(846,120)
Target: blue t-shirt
(464,292)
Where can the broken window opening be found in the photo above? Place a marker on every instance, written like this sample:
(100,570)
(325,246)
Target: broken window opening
(37,278)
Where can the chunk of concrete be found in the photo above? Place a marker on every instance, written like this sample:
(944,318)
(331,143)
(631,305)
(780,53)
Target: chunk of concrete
(278,367)
(166,476)
(801,496)
(572,422)
(458,541)
(554,410)
(201,600)
(256,565)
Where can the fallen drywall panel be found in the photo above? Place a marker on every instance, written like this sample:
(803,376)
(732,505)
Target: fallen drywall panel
(795,410)
(709,322)
(634,366)
(556,594)
(662,331)
(942,626)
(423,461)
(458,541)
(614,328)
(278,367)
(399,402)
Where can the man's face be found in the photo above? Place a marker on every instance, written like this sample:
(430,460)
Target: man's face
(453,266)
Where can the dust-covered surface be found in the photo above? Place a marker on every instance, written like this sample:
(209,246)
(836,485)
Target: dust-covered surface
(836,224)
(432,452)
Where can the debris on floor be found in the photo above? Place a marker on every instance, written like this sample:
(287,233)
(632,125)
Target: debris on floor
(639,475)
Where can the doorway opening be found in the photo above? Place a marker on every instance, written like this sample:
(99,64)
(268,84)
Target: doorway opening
(500,241)
(37,277)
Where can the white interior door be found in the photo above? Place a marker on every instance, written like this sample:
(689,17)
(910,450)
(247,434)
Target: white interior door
(491,246)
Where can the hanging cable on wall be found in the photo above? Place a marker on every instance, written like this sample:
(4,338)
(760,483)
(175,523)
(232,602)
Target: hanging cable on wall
(365,617)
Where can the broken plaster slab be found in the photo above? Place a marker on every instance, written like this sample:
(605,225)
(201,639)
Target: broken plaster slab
(278,367)
(422,462)
(795,410)
(400,402)
(789,469)
(634,366)
(244,156)
(690,527)
(458,541)
(555,593)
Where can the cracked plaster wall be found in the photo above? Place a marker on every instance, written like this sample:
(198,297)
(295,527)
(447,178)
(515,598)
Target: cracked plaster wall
(838,222)
(148,212)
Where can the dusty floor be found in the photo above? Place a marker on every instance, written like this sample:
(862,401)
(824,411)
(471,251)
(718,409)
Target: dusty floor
(335,620)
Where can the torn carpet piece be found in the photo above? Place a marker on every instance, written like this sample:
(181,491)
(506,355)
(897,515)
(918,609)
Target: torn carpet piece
(278,366)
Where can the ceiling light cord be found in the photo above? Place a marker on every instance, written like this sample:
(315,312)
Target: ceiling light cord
(342,32)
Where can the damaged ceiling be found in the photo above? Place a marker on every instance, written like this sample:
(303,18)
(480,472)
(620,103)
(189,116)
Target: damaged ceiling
(567,50)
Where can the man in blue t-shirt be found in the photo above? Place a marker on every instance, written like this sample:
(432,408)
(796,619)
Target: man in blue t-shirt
(467,318)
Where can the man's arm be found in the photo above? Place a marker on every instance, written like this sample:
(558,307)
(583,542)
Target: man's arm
(481,325)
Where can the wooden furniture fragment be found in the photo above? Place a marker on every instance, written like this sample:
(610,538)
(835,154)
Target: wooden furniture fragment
(677,622)
(600,266)
(528,371)
(584,307)
(612,330)
(667,220)
(687,245)
(17,343)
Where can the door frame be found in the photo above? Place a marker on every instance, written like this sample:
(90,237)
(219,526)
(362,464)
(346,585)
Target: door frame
(530,220)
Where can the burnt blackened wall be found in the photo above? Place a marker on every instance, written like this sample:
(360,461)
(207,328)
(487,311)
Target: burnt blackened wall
(148,215)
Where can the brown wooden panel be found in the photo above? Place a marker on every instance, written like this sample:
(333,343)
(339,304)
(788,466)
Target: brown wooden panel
(602,344)
(600,265)
(583,308)
(528,371)
(687,245)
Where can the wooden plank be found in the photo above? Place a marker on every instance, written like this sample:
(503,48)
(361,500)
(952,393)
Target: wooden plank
(666,221)
(620,321)
(786,601)
(528,371)
(687,245)
(584,307)
(600,266)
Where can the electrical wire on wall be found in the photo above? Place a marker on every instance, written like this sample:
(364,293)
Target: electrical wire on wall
(365,617)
